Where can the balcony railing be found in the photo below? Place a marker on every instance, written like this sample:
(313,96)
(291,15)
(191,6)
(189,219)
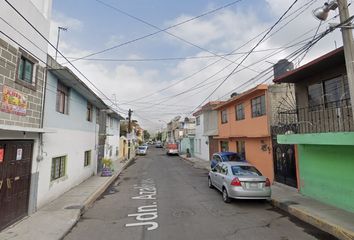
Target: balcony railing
(329,117)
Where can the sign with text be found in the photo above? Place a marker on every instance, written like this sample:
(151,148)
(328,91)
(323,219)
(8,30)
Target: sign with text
(1,155)
(13,101)
(19,154)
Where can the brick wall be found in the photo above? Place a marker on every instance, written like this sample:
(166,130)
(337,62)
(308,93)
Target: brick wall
(9,56)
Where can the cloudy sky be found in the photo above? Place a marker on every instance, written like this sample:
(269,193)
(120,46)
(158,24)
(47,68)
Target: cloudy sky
(166,58)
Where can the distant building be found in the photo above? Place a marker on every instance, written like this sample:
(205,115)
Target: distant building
(206,128)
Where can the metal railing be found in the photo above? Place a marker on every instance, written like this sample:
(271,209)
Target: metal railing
(329,117)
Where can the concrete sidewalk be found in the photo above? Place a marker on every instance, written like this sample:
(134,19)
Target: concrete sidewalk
(338,222)
(56,219)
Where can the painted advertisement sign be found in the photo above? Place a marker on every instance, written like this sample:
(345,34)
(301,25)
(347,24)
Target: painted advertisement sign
(13,101)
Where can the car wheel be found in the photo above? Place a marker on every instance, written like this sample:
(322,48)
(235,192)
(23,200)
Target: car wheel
(225,196)
(210,184)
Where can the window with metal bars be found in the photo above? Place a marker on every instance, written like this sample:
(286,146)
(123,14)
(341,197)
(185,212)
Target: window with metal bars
(58,167)
(62,103)
(87,160)
(240,112)
(25,70)
(258,106)
(224,116)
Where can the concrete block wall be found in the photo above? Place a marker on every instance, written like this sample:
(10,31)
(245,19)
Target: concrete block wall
(9,56)
(280,96)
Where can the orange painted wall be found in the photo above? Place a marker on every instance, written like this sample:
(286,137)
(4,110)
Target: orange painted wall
(263,160)
(250,127)
(252,131)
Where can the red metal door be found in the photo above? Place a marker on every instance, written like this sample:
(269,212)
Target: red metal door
(15,175)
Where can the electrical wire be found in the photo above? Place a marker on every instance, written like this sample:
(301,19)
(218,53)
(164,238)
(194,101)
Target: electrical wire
(259,42)
(154,33)
(307,5)
(167,32)
(29,23)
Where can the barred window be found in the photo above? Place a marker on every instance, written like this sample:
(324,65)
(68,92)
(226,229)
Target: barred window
(58,167)
(240,112)
(258,106)
(197,120)
(87,159)
(224,116)
(25,70)
(62,103)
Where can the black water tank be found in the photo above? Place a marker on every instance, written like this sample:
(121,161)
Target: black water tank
(281,67)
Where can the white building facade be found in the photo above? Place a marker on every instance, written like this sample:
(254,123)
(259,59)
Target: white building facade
(206,128)
(201,147)
(112,135)
(70,150)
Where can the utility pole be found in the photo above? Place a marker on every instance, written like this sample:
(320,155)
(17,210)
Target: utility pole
(56,49)
(129,130)
(348,48)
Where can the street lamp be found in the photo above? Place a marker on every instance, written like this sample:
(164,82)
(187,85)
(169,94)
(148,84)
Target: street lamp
(321,13)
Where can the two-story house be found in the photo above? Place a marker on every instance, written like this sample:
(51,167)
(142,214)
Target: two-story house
(244,123)
(186,135)
(23,54)
(69,153)
(206,128)
(322,127)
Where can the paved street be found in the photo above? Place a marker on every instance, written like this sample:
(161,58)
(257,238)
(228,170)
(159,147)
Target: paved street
(171,198)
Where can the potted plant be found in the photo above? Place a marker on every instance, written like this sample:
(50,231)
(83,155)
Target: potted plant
(107,170)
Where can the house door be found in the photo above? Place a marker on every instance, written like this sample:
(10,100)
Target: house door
(15,175)
(213,147)
(285,164)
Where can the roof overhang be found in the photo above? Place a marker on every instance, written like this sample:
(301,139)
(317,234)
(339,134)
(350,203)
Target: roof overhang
(25,129)
(329,60)
(67,77)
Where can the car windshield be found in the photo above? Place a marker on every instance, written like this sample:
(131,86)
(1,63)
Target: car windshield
(141,148)
(245,171)
(231,158)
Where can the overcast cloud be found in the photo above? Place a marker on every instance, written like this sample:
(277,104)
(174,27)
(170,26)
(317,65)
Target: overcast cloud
(220,33)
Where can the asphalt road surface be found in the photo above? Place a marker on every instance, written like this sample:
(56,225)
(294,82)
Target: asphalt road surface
(165,197)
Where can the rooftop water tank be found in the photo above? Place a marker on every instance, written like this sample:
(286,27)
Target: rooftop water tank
(281,67)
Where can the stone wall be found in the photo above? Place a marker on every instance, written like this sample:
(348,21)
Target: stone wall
(9,57)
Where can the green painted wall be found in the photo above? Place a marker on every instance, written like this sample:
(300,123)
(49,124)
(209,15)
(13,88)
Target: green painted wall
(184,144)
(327,174)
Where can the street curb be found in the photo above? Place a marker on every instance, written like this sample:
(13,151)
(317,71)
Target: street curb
(193,163)
(316,221)
(89,202)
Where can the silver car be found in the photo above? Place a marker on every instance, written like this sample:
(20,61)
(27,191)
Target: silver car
(239,180)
